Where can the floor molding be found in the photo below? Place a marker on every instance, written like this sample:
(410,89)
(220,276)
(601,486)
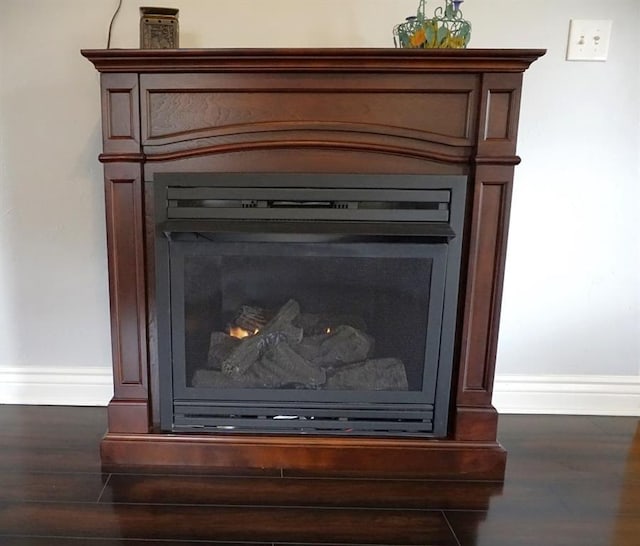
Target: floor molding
(568,394)
(527,394)
(86,386)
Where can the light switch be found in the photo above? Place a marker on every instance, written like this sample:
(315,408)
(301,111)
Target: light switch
(588,40)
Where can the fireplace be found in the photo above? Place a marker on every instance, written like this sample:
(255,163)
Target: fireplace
(323,304)
(306,250)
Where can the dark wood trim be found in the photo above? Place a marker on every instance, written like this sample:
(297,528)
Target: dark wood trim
(388,457)
(120,114)
(498,160)
(312,60)
(475,424)
(499,114)
(125,241)
(314,144)
(128,416)
(121,158)
(485,270)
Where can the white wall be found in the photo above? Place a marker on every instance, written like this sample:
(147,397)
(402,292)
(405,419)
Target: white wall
(570,332)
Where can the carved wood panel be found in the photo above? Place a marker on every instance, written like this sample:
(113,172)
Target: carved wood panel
(415,110)
(485,269)
(181,113)
(120,114)
(127,279)
(499,112)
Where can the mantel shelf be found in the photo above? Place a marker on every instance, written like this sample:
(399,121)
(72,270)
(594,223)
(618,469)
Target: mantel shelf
(313,60)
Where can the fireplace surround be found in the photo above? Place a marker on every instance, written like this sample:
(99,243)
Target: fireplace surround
(347,212)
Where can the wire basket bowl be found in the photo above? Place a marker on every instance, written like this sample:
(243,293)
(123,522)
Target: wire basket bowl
(446,29)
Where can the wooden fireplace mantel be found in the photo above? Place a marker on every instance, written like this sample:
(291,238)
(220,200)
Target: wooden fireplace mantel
(325,60)
(384,111)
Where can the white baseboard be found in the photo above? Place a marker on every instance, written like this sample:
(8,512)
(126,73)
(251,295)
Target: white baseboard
(56,386)
(533,394)
(616,395)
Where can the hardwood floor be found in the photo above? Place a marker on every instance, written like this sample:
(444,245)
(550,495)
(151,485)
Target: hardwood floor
(570,481)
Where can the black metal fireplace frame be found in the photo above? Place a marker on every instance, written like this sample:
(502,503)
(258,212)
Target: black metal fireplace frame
(398,219)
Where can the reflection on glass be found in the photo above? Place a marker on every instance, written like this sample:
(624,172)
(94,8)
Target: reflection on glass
(332,323)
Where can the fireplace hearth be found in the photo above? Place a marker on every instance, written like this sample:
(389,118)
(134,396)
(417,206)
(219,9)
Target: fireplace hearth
(306,251)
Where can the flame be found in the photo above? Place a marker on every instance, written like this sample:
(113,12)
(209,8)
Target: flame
(328,330)
(237,332)
(241,333)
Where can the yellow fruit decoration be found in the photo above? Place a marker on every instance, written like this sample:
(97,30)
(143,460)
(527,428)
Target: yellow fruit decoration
(418,38)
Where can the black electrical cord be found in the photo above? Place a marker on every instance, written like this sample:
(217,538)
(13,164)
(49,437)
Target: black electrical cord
(115,14)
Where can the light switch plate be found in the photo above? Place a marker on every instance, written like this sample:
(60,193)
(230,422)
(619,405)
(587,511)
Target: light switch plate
(589,40)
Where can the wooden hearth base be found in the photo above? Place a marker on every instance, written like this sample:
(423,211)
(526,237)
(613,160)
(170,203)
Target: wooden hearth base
(367,456)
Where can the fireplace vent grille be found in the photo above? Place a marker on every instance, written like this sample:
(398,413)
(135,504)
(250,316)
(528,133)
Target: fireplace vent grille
(345,419)
(353,204)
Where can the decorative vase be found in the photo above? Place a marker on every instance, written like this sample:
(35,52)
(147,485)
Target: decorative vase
(159,28)
(446,29)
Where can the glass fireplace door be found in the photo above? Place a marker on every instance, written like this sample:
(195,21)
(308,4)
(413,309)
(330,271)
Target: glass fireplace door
(290,326)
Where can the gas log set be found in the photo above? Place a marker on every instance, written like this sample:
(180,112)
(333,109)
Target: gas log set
(290,349)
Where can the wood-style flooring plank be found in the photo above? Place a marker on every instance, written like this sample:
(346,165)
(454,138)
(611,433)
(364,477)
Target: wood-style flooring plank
(53,459)
(566,459)
(525,529)
(171,522)
(436,495)
(51,439)
(578,451)
(614,426)
(71,541)
(599,496)
(61,487)
(159,470)
(541,427)
(571,481)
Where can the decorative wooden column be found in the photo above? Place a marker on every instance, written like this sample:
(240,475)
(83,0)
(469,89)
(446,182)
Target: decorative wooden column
(123,160)
(348,110)
(494,162)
